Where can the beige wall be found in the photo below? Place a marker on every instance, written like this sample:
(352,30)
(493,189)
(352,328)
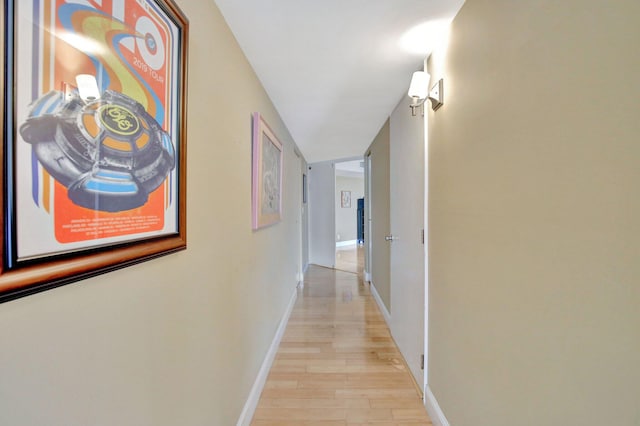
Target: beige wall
(534,215)
(177,340)
(346,217)
(379,214)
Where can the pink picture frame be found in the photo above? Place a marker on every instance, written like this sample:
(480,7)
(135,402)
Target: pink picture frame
(266,175)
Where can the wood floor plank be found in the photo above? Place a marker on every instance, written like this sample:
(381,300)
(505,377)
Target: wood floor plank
(315,403)
(409,414)
(302,414)
(337,363)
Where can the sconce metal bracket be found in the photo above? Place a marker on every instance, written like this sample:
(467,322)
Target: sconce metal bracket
(436,95)
(415,104)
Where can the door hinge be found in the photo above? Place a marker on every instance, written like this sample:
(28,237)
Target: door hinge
(422,362)
(422,236)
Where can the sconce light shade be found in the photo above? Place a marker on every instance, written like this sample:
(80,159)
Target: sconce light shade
(88,87)
(419,87)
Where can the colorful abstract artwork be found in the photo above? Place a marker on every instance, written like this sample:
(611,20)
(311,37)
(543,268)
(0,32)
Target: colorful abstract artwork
(96,123)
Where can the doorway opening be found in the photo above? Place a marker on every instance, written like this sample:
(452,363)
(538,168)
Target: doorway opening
(349,216)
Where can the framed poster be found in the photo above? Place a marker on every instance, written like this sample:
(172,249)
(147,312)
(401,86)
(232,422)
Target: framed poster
(267,175)
(345,199)
(94,163)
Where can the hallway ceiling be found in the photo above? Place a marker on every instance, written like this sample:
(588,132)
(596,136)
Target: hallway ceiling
(334,69)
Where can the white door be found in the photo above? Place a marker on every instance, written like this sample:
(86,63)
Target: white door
(407,248)
(367,217)
(379,221)
(299,216)
(322,225)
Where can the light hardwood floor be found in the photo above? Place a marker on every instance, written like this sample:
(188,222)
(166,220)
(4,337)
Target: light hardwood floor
(350,258)
(337,363)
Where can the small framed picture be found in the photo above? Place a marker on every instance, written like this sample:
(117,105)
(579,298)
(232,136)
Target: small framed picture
(345,199)
(304,188)
(267,175)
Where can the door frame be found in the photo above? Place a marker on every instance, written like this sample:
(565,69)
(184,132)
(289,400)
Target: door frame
(300,216)
(367,222)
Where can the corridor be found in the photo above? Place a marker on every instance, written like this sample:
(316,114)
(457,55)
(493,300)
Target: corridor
(337,363)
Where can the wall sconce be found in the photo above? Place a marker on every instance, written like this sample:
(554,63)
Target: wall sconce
(419,92)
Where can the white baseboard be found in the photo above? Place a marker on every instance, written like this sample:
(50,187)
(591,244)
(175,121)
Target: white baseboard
(254,396)
(383,309)
(346,243)
(433,408)
(367,276)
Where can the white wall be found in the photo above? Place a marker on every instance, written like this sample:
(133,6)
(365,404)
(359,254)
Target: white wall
(346,217)
(322,246)
(178,340)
